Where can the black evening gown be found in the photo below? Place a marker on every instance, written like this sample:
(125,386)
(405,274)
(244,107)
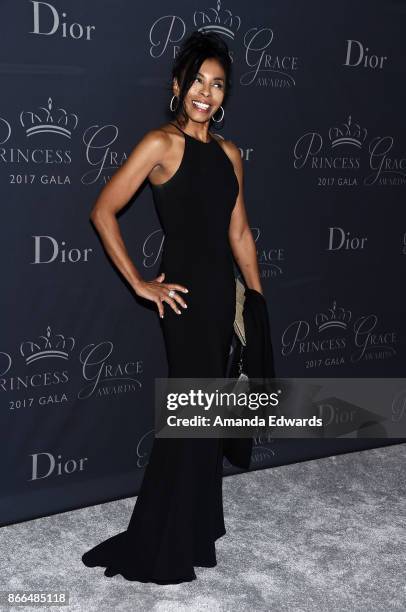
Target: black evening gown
(178,514)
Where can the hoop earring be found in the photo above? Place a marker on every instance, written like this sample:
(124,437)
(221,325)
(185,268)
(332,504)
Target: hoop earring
(170,104)
(218,120)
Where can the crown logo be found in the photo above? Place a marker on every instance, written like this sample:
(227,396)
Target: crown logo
(46,119)
(217,20)
(45,347)
(348,133)
(334,317)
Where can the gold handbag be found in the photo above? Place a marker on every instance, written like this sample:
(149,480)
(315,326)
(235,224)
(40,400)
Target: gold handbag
(239,305)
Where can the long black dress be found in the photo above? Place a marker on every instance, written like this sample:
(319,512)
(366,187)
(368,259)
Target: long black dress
(178,514)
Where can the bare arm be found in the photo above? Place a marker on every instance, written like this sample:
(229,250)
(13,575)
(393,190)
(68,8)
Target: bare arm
(149,152)
(240,236)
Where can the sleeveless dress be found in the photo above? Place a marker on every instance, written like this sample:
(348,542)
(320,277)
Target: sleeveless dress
(178,514)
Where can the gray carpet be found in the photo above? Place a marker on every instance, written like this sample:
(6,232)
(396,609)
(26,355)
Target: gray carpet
(325,535)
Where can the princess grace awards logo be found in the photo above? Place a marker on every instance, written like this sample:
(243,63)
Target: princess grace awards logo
(47,346)
(264,66)
(49,131)
(167,32)
(48,120)
(152,248)
(337,336)
(268,69)
(262,450)
(348,156)
(32,378)
(215,19)
(270,259)
(100,155)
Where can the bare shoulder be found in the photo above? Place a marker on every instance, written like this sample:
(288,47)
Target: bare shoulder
(168,133)
(152,147)
(230,149)
(157,138)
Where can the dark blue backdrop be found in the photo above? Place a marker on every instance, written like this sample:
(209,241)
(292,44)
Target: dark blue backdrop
(317,111)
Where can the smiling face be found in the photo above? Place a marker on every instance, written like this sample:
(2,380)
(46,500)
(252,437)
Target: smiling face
(206,93)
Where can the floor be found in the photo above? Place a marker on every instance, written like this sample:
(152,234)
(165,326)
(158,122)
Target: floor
(326,535)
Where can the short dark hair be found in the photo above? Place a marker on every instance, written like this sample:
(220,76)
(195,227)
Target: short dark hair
(194,50)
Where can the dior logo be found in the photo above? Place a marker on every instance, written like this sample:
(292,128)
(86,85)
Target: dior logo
(330,414)
(358,55)
(45,465)
(51,23)
(52,251)
(339,240)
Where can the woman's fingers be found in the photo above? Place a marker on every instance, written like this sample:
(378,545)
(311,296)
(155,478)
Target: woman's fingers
(176,286)
(160,307)
(182,288)
(173,294)
(173,298)
(167,292)
(172,302)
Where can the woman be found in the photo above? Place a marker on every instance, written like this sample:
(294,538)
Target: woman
(197,185)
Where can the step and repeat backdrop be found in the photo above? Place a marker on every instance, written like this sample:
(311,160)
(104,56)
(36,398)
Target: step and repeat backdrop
(317,111)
